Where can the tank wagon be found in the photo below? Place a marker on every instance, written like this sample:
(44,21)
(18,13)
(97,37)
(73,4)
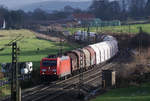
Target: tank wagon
(69,63)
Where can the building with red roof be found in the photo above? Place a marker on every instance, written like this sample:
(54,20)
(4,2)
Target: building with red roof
(82,16)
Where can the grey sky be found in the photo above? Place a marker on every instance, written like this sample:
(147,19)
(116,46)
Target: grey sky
(14,3)
(18,3)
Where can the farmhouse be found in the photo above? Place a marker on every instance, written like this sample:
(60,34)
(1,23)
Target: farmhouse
(89,19)
(95,22)
(82,17)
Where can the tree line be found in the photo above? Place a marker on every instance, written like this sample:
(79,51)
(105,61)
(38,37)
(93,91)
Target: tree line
(120,9)
(103,9)
(16,18)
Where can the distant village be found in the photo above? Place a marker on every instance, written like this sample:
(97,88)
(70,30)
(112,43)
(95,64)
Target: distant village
(74,20)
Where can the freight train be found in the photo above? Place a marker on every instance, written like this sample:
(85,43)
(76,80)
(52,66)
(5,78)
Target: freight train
(70,63)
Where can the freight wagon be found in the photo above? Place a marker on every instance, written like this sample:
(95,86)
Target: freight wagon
(69,63)
(84,35)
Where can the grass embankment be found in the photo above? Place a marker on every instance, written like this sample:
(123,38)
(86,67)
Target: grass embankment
(28,46)
(132,93)
(31,49)
(117,29)
(5,90)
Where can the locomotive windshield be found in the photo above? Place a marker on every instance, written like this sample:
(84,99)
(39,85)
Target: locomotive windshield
(48,63)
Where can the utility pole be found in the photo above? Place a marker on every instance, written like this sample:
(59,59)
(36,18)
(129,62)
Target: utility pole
(81,75)
(88,34)
(61,46)
(14,81)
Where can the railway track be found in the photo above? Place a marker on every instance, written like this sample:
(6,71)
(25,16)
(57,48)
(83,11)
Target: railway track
(60,91)
(58,88)
(41,88)
(38,89)
(92,78)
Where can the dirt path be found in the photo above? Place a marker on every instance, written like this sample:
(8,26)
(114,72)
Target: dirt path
(56,39)
(47,37)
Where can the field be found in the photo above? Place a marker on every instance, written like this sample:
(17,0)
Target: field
(28,49)
(31,48)
(117,29)
(133,93)
(5,90)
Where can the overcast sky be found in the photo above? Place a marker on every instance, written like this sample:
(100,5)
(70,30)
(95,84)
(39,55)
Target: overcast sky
(18,3)
(13,3)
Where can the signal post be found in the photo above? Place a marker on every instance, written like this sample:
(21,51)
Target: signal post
(15,87)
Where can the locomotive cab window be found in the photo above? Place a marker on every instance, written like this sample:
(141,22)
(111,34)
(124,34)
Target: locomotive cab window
(48,63)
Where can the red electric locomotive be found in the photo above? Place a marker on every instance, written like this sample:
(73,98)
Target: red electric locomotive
(55,67)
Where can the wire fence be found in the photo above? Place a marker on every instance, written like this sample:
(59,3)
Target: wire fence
(133,29)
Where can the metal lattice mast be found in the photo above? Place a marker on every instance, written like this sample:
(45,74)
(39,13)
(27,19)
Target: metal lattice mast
(88,34)
(14,81)
(61,46)
(81,74)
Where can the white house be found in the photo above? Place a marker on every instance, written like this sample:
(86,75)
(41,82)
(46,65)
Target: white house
(2,24)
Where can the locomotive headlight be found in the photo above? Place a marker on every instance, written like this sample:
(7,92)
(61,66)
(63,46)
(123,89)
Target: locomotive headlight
(54,70)
(43,70)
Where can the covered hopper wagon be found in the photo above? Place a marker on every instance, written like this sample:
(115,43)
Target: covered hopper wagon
(69,63)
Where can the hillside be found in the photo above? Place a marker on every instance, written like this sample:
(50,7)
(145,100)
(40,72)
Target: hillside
(50,6)
(31,48)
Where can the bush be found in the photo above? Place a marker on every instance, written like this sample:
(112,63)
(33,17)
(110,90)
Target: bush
(1,75)
(141,40)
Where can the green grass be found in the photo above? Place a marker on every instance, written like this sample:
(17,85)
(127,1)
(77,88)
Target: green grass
(132,93)
(28,50)
(28,46)
(5,90)
(124,28)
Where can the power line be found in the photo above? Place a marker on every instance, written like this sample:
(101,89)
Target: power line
(18,38)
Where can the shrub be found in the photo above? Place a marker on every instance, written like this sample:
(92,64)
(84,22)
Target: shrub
(1,75)
(141,40)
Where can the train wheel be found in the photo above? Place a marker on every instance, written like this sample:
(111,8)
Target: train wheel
(60,78)
(65,77)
